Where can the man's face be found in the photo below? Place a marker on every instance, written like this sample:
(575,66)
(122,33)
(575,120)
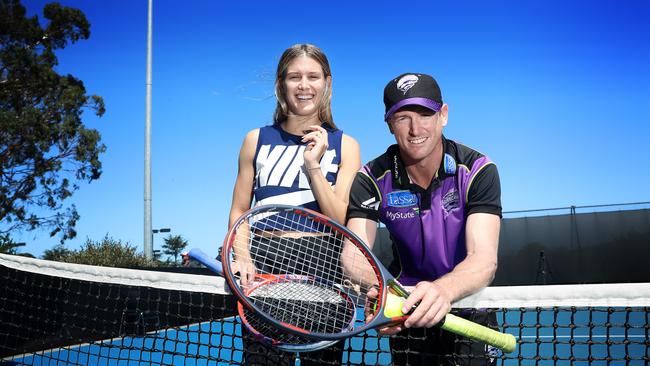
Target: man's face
(418,131)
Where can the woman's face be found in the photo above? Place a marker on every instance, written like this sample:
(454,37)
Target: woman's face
(304,86)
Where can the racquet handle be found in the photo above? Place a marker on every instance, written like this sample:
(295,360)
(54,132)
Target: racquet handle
(457,325)
(201,257)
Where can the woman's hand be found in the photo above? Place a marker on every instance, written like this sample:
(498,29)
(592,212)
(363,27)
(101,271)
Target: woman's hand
(246,270)
(317,144)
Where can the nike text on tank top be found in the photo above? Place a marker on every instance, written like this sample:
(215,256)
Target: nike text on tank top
(280,173)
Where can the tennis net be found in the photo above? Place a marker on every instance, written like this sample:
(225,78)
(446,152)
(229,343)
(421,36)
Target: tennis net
(55,313)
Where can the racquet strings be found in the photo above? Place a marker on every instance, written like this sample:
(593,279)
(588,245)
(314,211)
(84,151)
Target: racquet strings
(256,323)
(317,293)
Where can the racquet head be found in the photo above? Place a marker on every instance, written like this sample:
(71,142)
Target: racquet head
(323,272)
(259,329)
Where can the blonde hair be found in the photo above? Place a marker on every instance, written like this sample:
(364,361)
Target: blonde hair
(291,53)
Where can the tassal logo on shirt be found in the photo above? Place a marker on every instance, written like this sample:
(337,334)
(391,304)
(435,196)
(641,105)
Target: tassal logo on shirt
(401,199)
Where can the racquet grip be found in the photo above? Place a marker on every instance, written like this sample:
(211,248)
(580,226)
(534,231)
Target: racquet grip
(458,325)
(201,257)
(455,324)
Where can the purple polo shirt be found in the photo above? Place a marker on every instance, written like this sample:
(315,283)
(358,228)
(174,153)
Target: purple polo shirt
(427,225)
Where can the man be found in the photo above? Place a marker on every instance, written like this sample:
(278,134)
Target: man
(440,201)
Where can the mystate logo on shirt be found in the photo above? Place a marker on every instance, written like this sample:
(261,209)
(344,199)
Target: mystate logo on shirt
(392,216)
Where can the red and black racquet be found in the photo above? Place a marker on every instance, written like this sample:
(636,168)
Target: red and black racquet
(258,328)
(317,275)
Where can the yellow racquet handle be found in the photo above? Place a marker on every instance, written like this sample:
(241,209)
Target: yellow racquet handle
(461,326)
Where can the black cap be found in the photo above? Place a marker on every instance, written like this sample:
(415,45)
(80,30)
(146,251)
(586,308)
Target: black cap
(412,89)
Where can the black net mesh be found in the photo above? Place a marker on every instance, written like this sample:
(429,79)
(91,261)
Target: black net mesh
(93,316)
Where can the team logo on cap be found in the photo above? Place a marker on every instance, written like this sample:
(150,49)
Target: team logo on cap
(406,82)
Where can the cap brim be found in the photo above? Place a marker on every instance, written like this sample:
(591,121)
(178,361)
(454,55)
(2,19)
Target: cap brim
(423,102)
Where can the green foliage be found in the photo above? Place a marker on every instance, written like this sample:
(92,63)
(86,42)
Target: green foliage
(59,253)
(174,245)
(44,146)
(108,252)
(8,246)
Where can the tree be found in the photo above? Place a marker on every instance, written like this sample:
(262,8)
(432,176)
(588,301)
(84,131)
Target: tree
(174,245)
(8,246)
(59,253)
(108,252)
(44,146)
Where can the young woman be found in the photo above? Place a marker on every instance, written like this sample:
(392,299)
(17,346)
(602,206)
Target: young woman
(302,159)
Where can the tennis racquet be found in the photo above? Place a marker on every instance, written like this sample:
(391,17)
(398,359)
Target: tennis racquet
(320,274)
(260,329)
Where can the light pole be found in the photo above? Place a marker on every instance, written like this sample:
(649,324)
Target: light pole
(148,237)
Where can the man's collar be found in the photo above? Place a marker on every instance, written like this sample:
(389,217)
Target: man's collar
(401,179)
(397,168)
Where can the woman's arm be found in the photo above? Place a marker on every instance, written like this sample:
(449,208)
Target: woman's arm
(334,203)
(242,197)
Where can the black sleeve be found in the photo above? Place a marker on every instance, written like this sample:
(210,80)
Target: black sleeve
(364,198)
(485,192)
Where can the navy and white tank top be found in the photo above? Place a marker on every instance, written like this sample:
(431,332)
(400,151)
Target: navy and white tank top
(280,174)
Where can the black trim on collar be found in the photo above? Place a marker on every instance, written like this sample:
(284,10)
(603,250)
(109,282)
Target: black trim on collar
(397,169)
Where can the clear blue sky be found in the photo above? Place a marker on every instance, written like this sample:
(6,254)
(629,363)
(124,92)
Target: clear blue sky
(556,92)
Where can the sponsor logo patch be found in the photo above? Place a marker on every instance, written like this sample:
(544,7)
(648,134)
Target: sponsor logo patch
(450,201)
(392,216)
(370,203)
(450,164)
(401,199)
(395,168)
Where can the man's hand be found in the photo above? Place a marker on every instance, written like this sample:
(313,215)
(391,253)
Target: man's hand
(432,304)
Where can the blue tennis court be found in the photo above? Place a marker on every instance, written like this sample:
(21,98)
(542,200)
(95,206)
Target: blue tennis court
(200,344)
